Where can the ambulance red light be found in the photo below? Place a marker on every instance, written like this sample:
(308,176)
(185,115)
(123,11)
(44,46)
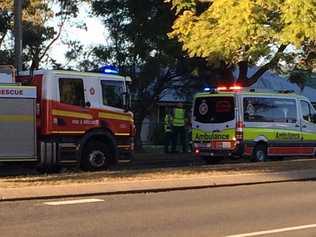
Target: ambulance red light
(197,151)
(231,88)
(239,130)
(222,88)
(235,88)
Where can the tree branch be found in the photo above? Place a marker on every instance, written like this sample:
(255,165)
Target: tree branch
(243,71)
(265,67)
(53,41)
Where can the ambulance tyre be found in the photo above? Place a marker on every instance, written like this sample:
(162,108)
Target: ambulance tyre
(260,153)
(96,156)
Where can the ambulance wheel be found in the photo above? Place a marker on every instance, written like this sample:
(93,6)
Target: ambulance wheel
(260,153)
(96,156)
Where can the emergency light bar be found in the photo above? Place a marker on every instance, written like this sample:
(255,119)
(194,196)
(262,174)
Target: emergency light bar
(235,88)
(230,88)
(222,88)
(109,69)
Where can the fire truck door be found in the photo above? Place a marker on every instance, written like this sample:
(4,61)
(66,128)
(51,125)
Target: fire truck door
(92,93)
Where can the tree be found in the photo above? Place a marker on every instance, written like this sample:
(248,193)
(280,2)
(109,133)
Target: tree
(243,32)
(140,47)
(6,17)
(4,20)
(38,34)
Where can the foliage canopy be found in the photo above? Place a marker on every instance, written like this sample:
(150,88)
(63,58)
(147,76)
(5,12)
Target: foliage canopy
(38,34)
(246,30)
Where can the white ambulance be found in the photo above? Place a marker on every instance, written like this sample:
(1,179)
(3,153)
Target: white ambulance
(233,121)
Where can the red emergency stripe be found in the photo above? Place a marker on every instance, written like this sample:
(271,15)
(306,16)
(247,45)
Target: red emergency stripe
(291,150)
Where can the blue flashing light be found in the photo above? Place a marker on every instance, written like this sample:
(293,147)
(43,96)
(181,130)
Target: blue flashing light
(109,69)
(207,89)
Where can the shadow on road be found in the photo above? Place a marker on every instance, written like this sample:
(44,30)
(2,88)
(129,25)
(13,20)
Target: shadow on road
(149,162)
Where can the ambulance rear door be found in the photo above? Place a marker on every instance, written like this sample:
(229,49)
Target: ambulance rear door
(214,117)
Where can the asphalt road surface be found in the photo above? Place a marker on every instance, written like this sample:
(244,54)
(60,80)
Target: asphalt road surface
(142,161)
(286,209)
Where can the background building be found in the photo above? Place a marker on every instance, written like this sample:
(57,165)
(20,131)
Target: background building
(152,130)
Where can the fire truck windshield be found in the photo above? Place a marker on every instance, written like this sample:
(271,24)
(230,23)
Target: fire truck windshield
(112,93)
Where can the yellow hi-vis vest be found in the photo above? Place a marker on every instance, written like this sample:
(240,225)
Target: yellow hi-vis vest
(178,119)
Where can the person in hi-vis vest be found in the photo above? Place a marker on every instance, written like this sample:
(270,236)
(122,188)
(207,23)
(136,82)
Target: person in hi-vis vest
(178,128)
(167,131)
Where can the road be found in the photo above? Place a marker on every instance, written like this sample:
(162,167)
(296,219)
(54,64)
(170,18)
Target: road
(147,161)
(142,161)
(284,209)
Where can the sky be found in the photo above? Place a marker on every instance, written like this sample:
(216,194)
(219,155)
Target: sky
(94,35)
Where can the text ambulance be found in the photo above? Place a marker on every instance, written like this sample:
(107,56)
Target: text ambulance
(236,122)
(63,117)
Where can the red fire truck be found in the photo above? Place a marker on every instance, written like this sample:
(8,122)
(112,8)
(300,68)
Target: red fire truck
(61,117)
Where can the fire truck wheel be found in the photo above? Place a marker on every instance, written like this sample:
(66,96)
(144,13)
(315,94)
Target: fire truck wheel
(260,153)
(96,156)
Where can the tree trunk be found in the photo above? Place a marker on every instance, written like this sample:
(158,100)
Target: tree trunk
(243,71)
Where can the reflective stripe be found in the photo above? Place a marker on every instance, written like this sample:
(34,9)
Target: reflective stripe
(65,113)
(178,119)
(122,134)
(16,118)
(124,146)
(123,117)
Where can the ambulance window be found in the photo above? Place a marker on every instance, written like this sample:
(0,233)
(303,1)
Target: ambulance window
(306,111)
(112,92)
(71,91)
(260,109)
(214,109)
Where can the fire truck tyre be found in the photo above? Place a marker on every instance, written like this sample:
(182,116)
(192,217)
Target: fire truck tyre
(96,156)
(260,153)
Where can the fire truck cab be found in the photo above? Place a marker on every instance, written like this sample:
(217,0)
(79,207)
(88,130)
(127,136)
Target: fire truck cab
(55,117)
